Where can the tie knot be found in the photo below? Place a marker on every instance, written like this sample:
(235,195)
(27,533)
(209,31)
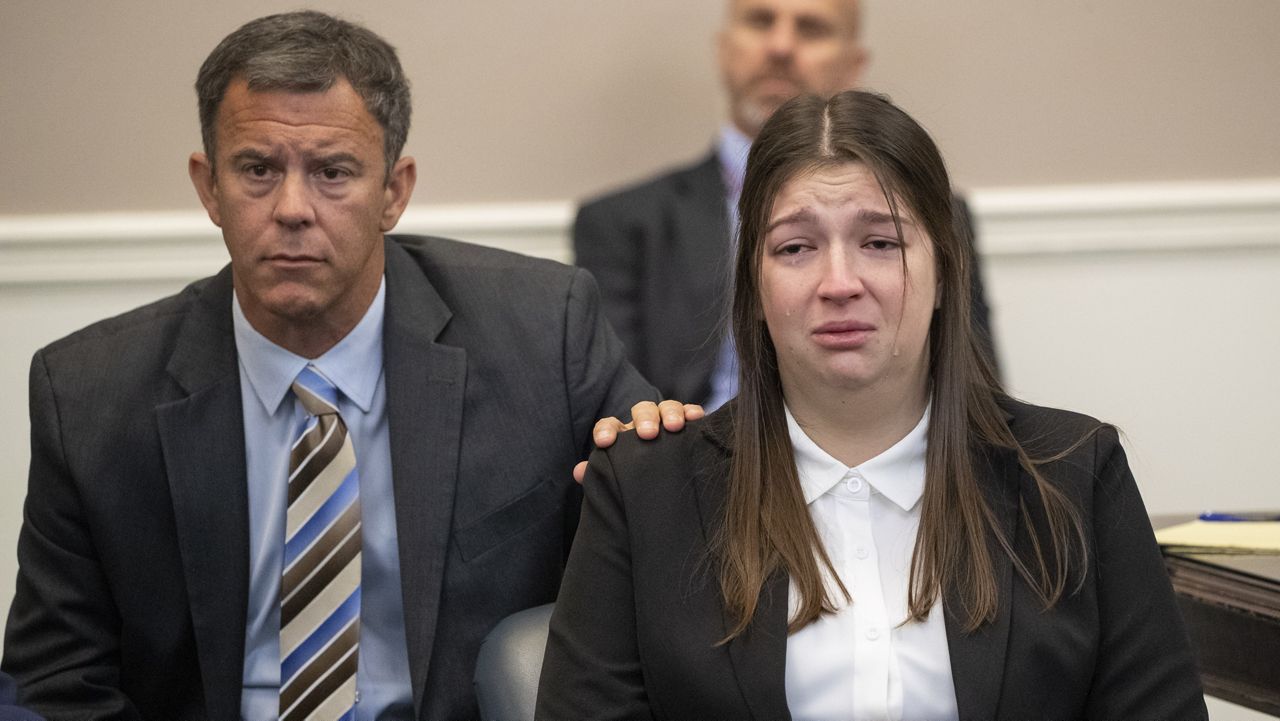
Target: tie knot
(315,392)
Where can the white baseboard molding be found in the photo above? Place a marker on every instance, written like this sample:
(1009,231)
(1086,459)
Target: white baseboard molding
(1016,222)
(1129,218)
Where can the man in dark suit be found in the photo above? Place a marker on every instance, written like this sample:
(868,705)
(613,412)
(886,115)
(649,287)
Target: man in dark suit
(662,250)
(464,381)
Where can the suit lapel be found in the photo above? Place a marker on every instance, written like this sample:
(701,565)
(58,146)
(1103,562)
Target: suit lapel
(425,383)
(758,655)
(703,262)
(978,658)
(703,216)
(202,437)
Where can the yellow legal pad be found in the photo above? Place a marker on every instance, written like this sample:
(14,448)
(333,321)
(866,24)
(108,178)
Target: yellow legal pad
(1256,537)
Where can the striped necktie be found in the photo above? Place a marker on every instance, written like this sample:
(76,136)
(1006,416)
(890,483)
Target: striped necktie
(320,590)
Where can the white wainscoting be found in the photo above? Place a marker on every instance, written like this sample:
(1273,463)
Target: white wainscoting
(128,248)
(1016,222)
(1156,307)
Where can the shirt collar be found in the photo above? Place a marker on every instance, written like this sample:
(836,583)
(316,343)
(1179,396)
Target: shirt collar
(897,473)
(354,365)
(731,149)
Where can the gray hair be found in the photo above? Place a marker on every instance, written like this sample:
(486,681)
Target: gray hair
(308,51)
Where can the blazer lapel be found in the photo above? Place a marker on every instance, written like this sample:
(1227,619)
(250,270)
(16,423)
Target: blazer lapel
(425,381)
(759,654)
(978,658)
(202,437)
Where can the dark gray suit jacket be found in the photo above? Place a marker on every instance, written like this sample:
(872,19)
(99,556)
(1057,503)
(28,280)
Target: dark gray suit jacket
(132,593)
(635,630)
(660,251)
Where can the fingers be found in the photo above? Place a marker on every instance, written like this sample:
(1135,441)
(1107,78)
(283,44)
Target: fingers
(647,418)
(580,471)
(644,418)
(606,431)
(673,415)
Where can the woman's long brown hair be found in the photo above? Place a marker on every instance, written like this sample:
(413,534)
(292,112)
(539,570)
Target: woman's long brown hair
(767,528)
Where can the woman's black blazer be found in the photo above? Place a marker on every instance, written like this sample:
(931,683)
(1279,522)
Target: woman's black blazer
(636,628)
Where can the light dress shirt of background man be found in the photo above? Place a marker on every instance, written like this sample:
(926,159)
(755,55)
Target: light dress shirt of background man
(662,249)
(150,556)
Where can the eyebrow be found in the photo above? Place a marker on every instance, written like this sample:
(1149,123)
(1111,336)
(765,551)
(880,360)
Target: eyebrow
(805,215)
(259,156)
(336,159)
(250,154)
(876,217)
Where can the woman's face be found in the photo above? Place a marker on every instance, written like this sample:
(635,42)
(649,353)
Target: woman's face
(842,313)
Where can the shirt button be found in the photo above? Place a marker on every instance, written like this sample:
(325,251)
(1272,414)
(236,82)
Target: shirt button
(873,634)
(854,484)
(862,553)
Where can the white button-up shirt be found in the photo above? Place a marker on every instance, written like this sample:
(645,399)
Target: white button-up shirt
(864,662)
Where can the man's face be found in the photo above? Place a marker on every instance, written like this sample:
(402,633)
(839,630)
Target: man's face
(773,50)
(300,191)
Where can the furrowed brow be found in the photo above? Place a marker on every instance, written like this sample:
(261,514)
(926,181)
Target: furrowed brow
(337,159)
(803,215)
(252,154)
(876,217)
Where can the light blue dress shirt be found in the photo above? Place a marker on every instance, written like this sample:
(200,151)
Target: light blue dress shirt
(731,150)
(272,418)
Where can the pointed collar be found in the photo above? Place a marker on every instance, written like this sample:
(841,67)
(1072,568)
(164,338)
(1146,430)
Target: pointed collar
(353,365)
(897,473)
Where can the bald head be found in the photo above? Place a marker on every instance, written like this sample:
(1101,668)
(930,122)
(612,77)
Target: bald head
(772,50)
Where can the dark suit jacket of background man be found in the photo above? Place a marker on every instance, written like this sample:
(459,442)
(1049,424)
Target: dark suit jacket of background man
(660,252)
(134,552)
(1114,648)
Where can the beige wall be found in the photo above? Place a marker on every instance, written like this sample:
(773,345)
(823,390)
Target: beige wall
(1109,300)
(554,99)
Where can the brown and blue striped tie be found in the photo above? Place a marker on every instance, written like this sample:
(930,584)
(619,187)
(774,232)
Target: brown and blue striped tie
(320,590)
